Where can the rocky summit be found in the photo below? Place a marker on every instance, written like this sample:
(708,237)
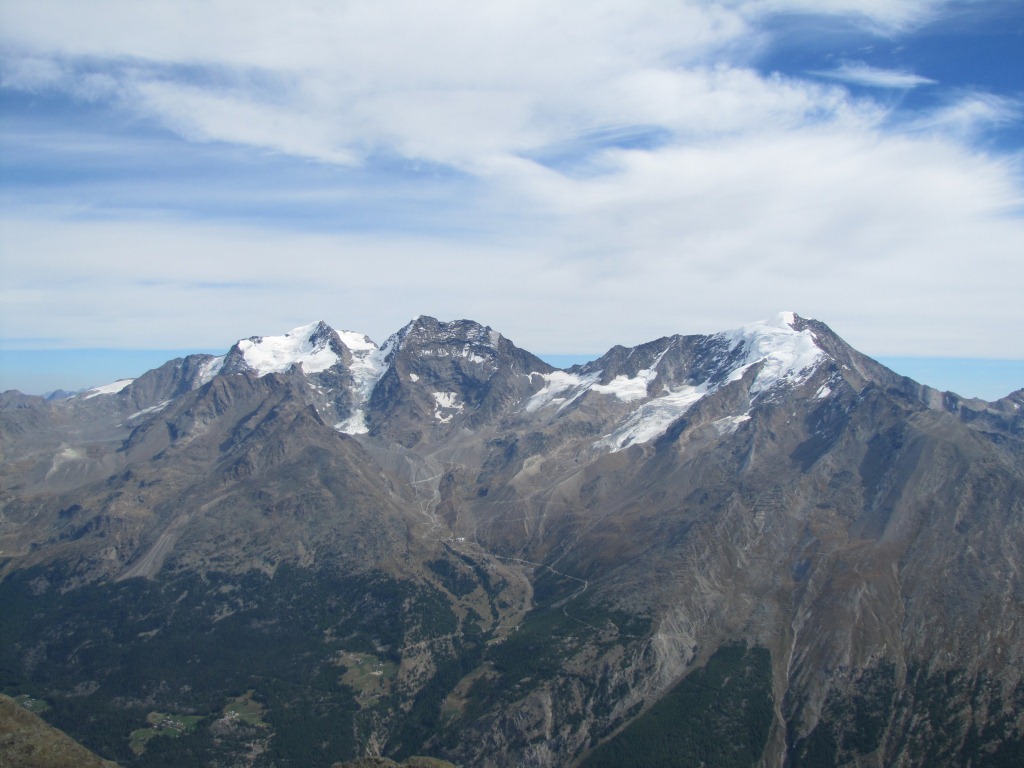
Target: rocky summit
(753,548)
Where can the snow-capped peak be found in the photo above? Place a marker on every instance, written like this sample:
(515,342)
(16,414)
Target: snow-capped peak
(317,348)
(308,345)
(786,354)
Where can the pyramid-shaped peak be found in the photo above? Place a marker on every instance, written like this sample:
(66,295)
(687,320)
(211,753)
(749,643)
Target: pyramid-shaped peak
(425,329)
(318,332)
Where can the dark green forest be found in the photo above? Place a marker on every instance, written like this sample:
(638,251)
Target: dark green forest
(104,655)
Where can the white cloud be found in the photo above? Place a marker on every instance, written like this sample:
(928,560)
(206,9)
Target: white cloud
(200,114)
(904,244)
(445,81)
(454,81)
(826,220)
(756,193)
(862,74)
(969,113)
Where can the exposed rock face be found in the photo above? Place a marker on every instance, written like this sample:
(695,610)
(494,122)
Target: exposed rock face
(526,558)
(442,378)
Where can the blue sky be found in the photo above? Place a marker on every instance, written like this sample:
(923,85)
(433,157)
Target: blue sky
(176,176)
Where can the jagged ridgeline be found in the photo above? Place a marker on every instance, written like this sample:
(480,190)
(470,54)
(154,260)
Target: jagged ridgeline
(751,548)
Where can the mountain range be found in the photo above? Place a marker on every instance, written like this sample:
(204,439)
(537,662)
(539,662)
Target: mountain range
(757,547)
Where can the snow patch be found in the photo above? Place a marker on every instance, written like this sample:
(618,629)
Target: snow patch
(628,389)
(152,409)
(107,389)
(413,377)
(625,388)
(473,357)
(557,383)
(653,418)
(730,424)
(354,424)
(210,369)
(445,401)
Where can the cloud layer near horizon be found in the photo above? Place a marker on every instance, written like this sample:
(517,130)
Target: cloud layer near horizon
(574,174)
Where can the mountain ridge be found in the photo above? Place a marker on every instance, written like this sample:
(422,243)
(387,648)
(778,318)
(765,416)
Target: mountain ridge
(367,363)
(533,556)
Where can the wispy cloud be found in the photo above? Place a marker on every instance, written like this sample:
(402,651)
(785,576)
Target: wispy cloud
(862,74)
(457,83)
(965,114)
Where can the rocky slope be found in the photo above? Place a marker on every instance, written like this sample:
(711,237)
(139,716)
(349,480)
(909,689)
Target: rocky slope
(26,741)
(446,546)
